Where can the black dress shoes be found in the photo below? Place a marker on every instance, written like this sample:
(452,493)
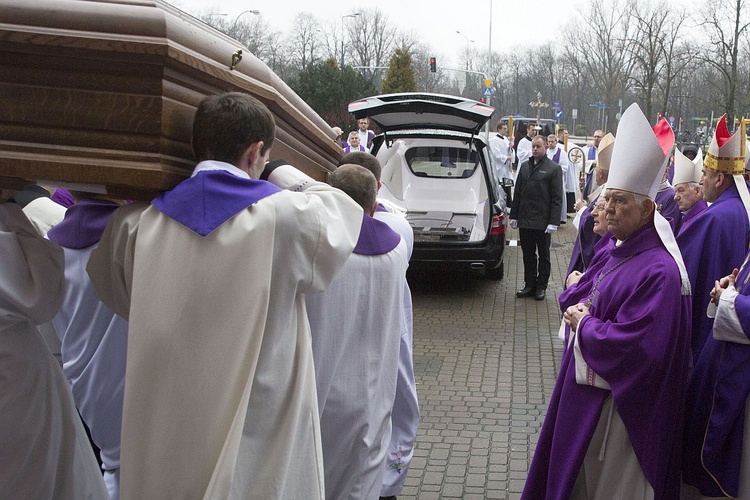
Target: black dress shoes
(539,294)
(526,291)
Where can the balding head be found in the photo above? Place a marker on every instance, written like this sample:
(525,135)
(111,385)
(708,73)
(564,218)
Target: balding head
(359,183)
(363,160)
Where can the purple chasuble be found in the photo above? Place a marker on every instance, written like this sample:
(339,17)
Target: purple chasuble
(580,291)
(712,245)
(210,198)
(375,237)
(583,248)
(83,224)
(63,197)
(636,337)
(715,413)
(667,207)
(689,216)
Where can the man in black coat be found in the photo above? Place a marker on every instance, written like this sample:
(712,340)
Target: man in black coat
(536,213)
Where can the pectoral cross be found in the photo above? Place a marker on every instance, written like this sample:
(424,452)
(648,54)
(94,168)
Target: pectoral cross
(538,105)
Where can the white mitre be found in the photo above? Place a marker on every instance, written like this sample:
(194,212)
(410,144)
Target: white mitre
(639,160)
(687,170)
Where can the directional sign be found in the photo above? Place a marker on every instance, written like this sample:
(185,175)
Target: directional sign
(558,114)
(488,91)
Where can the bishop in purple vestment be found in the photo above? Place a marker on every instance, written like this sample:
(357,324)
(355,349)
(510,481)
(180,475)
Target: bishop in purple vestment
(717,397)
(630,360)
(711,247)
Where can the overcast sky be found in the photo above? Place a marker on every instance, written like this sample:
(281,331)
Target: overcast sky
(433,22)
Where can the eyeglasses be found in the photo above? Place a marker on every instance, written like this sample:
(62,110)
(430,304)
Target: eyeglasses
(597,137)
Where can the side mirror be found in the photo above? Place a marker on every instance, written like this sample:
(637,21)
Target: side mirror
(506,182)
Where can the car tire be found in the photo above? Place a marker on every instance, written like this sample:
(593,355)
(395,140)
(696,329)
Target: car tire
(495,274)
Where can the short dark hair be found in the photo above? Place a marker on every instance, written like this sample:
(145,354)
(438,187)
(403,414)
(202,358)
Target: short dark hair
(225,125)
(500,125)
(363,160)
(358,182)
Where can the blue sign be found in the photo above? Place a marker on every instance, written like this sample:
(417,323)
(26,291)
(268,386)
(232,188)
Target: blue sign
(558,114)
(487,91)
(555,104)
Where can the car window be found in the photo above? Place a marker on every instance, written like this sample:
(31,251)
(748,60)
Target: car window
(442,162)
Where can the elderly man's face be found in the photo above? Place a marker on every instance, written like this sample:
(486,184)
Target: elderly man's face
(354,140)
(710,182)
(600,216)
(624,215)
(687,195)
(598,135)
(538,148)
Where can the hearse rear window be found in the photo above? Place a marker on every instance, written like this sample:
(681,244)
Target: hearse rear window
(442,162)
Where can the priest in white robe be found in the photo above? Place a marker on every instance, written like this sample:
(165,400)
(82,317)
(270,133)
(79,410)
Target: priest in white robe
(405,415)
(355,325)
(220,397)
(44,450)
(94,340)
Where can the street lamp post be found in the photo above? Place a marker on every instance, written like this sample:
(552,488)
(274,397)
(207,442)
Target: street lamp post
(255,12)
(355,14)
(468,41)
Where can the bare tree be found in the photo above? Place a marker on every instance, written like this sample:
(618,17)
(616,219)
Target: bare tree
(371,38)
(727,28)
(600,44)
(304,40)
(646,47)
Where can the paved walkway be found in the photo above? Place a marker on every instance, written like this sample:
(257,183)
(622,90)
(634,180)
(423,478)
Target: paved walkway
(485,364)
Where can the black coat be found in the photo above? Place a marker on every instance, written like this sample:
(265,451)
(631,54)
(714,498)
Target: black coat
(537,201)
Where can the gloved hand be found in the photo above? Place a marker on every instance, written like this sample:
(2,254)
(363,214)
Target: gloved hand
(514,223)
(550,229)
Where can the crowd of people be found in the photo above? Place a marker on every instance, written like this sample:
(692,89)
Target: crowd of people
(654,382)
(246,334)
(356,140)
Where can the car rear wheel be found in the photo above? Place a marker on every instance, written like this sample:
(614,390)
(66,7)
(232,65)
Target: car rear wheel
(495,274)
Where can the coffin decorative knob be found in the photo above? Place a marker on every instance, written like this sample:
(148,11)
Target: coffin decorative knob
(236,58)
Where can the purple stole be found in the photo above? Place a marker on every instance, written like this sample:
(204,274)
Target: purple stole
(375,237)
(84,224)
(210,198)
(591,156)
(556,156)
(715,413)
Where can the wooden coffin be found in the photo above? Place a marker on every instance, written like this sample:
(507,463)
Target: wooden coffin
(99,95)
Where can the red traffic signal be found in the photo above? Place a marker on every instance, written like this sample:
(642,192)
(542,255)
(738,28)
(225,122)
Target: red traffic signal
(433,65)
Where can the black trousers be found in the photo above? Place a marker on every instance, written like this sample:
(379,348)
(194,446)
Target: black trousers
(571,199)
(535,245)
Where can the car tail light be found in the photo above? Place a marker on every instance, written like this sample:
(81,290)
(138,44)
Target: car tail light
(498,224)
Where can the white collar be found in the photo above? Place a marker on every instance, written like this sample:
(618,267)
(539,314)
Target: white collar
(219,165)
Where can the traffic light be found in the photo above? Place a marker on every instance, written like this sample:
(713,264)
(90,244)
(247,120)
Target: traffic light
(433,64)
